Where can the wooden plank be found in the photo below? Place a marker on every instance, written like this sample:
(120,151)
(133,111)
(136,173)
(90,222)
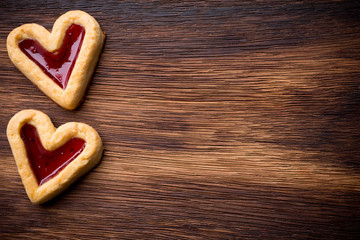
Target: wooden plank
(220,120)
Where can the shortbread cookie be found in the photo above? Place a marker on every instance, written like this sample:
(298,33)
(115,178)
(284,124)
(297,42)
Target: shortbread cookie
(50,159)
(60,63)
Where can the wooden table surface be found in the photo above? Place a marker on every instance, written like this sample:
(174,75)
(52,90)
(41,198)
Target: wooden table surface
(220,120)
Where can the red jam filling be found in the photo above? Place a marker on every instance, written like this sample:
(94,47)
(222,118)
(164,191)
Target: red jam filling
(59,64)
(46,164)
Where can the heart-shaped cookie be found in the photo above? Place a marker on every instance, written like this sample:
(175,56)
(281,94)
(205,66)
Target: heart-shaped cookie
(50,159)
(60,63)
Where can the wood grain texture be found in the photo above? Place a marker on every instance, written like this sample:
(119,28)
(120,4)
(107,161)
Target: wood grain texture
(220,120)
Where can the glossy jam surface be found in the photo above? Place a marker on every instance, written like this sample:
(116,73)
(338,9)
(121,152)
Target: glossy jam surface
(46,164)
(59,64)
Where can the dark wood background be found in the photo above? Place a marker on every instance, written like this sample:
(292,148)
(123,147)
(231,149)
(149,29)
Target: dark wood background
(220,119)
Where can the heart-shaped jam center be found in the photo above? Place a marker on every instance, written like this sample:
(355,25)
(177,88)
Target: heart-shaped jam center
(59,64)
(46,164)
